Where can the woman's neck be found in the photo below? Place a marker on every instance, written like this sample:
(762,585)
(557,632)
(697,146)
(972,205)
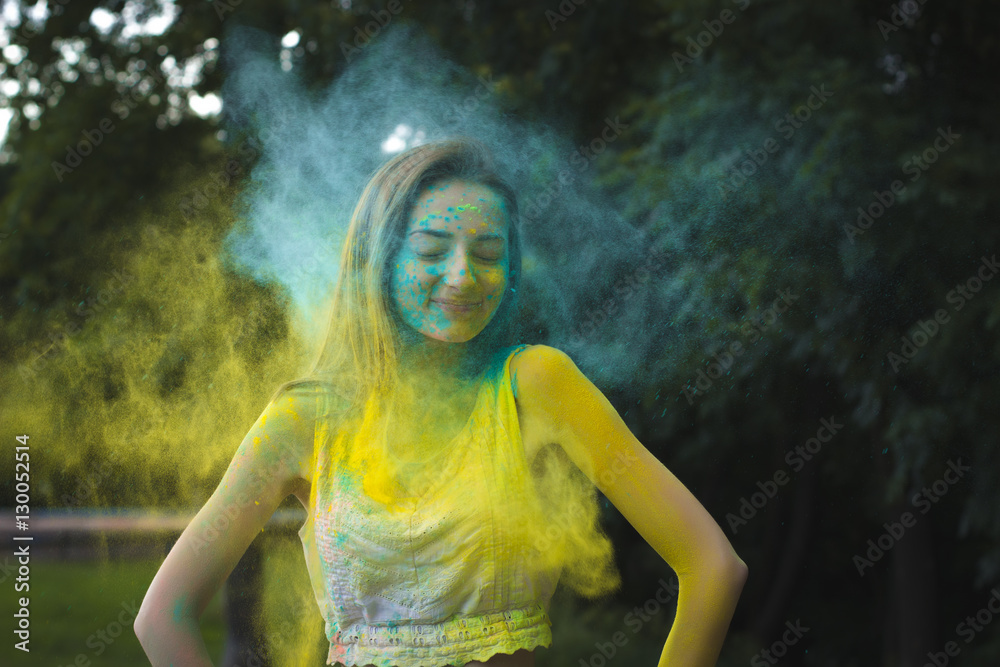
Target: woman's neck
(431,387)
(430,362)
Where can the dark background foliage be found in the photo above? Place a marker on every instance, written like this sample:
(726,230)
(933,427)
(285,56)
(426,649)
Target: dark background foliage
(696,114)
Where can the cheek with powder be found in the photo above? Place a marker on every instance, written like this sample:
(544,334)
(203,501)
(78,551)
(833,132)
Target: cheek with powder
(412,283)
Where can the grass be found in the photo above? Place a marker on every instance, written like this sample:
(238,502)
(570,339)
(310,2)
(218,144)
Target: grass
(71,602)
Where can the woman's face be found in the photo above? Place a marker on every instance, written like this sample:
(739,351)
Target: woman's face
(450,273)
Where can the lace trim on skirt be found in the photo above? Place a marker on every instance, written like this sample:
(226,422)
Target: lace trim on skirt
(455,641)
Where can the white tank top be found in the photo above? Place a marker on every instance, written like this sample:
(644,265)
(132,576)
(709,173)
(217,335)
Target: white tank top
(446,577)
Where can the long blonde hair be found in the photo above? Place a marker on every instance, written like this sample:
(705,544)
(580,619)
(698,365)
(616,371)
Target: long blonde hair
(361,349)
(359,360)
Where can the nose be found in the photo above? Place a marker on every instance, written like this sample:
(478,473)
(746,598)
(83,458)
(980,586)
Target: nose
(459,272)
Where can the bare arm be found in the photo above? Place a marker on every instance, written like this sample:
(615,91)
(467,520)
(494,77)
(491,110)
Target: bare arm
(564,404)
(264,471)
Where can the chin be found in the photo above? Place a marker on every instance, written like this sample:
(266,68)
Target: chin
(456,337)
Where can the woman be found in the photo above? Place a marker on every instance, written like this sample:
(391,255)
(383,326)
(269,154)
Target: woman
(426,451)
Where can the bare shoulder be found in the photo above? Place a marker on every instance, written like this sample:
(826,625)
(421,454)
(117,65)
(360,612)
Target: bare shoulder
(286,430)
(539,369)
(561,405)
(539,373)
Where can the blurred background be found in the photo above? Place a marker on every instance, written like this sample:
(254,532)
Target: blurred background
(798,315)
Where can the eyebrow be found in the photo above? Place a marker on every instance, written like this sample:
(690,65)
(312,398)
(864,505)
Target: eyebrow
(440,233)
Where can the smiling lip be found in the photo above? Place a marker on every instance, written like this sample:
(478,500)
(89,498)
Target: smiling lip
(457,306)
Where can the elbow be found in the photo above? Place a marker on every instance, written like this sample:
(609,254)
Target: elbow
(144,624)
(740,571)
(140,626)
(730,570)
(729,566)
(734,571)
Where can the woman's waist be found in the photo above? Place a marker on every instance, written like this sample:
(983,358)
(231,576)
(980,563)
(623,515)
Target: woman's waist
(527,618)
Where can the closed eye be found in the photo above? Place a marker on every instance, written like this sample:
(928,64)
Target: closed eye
(492,258)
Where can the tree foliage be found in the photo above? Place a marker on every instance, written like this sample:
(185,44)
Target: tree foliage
(764,140)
